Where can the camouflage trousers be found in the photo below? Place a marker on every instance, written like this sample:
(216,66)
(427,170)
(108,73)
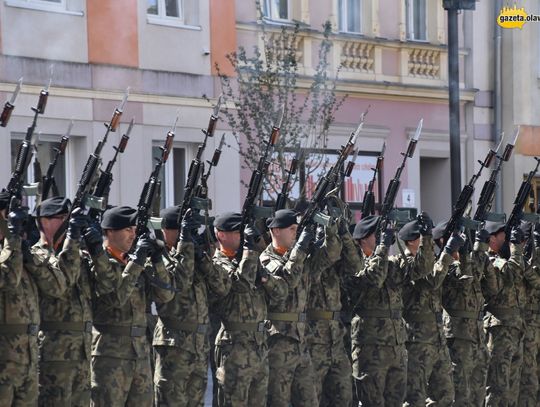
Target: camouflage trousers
(333,373)
(291,373)
(120,382)
(429,375)
(242,374)
(505,345)
(180,377)
(528,387)
(381,374)
(18,384)
(469,367)
(64,383)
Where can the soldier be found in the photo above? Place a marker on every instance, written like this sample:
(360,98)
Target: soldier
(241,348)
(181,334)
(291,372)
(19,314)
(429,370)
(121,373)
(331,363)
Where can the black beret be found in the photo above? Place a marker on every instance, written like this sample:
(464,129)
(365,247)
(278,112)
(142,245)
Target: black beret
(365,227)
(283,219)
(228,222)
(494,227)
(4,199)
(169,217)
(119,217)
(438,231)
(409,231)
(57,205)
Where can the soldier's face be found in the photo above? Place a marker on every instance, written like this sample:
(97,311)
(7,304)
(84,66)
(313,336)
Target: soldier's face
(284,237)
(50,225)
(170,236)
(496,241)
(228,240)
(413,245)
(368,244)
(121,239)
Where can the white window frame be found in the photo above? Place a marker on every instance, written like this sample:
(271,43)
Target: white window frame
(162,19)
(43,5)
(410,11)
(275,16)
(343,10)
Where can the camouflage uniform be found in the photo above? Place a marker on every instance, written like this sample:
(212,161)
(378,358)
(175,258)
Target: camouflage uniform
(291,378)
(121,373)
(378,330)
(181,334)
(463,301)
(241,349)
(505,329)
(429,370)
(331,363)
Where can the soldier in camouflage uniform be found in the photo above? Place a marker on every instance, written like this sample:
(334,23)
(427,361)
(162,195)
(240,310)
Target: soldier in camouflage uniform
(291,372)
(429,370)
(468,276)
(241,348)
(121,373)
(19,312)
(331,364)
(181,334)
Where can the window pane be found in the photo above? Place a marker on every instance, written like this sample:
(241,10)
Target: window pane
(283,9)
(172,8)
(156,154)
(152,7)
(179,174)
(420,19)
(353,15)
(342,15)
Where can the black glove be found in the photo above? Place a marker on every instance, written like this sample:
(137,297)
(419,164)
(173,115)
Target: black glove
(159,248)
(251,236)
(425,224)
(454,244)
(343,226)
(94,240)
(517,236)
(16,221)
(482,236)
(189,226)
(144,248)
(388,237)
(77,223)
(306,237)
(261,273)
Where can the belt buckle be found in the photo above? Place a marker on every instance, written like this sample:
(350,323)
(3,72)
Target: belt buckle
(201,328)
(261,326)
(32,329)
(88,327)
(302,317)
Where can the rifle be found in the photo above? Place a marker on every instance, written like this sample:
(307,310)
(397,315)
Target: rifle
(391,192)
(196,170)
(48,181)
(10,105)
(485,201)
(103,185)
(457,219)
(283,196)
(202,189)
(368,203)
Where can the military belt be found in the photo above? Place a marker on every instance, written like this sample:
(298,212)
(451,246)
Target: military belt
(245,326)
(133,331)
(185,326)
(19,329)
(379,313)
(465,314)
(320,315)
(505,312)
(287,316)
(67,326)
(424,317)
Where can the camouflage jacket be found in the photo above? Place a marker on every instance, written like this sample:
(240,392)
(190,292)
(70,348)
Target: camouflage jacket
(463,294)
(246,301)
(19,304)
(378,292)
(325,295)
(195,283)
(506,308)
(120,301)
(298,271)
(532,309)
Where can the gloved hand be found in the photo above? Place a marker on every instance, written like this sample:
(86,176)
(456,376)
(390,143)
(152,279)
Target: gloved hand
(425,224)
(306,237)
(143,249)
(261,273)
(159,248)
(16,220)
(465,249)
(482,236)
(388,237)
(343,226)
(94,240)
(517,236)
(77,223)
(251,236)
(454,244)
(188,226)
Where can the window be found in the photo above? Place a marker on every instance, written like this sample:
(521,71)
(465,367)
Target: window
(173,176)
(277,10)
(173,12)
(416,19)
(350,16)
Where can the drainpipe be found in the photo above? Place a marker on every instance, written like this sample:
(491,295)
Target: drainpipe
(497,105)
